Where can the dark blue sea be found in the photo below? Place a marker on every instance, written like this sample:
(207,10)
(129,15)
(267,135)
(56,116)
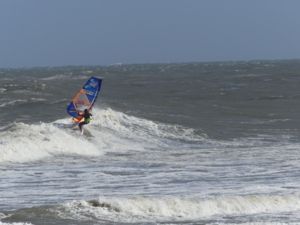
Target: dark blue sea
(190,143)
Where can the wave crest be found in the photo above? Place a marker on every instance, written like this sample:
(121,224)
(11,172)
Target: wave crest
(111,131)
(139,209)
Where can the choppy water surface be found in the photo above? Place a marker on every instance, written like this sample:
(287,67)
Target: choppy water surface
(198,143)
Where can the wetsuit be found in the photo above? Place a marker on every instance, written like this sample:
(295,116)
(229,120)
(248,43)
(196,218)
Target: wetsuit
(87,119)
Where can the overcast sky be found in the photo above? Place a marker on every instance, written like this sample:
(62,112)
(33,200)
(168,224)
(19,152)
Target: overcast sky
(103,32)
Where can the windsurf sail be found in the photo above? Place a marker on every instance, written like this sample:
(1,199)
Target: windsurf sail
(85,98)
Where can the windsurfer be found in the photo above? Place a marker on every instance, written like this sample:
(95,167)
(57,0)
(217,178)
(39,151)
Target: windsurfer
(86,119)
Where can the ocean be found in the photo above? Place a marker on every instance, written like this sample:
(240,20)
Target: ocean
(187,143)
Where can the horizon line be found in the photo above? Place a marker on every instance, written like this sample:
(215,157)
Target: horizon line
(120,64)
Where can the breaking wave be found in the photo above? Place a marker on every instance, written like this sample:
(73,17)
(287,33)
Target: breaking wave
(110,131)
(15,223)
(137,209)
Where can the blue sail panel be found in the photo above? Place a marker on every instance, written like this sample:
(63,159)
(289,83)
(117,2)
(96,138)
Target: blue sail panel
(85,97)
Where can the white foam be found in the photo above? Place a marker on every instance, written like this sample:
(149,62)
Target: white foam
(24,142)
(13,102)
(2,90)
(20,223)
(20,101)
(3,216)
(65,77)
(139,209)
(111,130)
(132,126)
(259,223)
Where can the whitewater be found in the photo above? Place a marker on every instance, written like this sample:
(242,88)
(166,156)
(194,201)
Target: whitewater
(209,152)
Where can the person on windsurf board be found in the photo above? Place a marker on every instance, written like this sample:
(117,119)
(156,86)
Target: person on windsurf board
(87,117)
(82,103)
